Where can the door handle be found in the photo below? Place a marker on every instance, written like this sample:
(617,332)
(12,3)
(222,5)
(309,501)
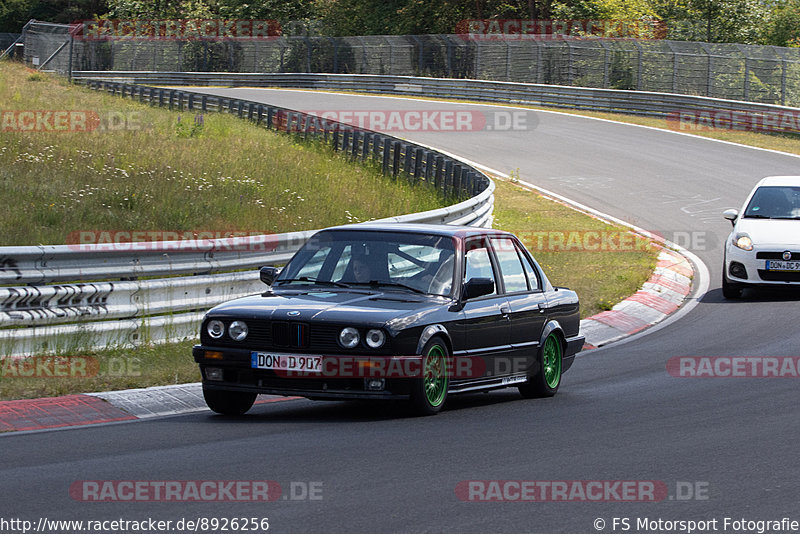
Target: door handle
(505,309)
(542,307)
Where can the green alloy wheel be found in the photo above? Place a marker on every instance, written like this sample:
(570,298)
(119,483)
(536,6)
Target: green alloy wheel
(545,383)
(429,392)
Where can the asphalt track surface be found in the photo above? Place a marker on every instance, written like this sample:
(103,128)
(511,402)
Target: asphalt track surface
(618,416)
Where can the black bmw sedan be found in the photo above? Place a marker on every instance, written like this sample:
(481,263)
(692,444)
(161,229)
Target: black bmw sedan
(393,311)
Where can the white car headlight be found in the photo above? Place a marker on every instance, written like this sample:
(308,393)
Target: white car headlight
(215,328)
(743,241)
(349,337)
(238,330)
(375,338)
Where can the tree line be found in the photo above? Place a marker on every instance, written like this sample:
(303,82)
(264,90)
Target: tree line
(771,22)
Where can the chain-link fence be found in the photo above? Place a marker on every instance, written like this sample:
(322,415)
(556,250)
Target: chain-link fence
(6,40)
(765,74)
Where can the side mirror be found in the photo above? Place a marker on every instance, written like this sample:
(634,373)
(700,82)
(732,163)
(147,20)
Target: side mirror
(268,274)
(478,287)
(731,215)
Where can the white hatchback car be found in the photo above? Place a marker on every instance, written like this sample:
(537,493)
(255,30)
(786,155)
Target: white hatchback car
(764,246)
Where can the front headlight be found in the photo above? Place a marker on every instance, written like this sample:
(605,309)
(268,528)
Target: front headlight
(349,337)
(215,328)
(375,338)
(743,241)
(238,330)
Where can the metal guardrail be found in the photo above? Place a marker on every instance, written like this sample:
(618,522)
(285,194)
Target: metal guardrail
(117,301)
(558,96)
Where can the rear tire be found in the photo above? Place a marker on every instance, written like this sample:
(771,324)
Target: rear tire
(546,382)
(429,392)
(228,402)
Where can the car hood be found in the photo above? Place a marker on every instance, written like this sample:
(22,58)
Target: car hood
(336,307)
(783,234)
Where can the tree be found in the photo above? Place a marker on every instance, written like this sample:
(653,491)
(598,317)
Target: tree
(161,9)
(783,28)
(714,21)
(280,10)
(15,13)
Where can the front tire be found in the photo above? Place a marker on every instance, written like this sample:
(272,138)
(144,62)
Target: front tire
(546,382)
(429,392)
(228,402)
(730,290)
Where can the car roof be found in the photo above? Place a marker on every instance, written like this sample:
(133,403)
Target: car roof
(416,228)
(780,181)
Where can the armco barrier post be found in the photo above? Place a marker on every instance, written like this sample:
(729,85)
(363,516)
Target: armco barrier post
(456,190)
(395,158)
(377,147)
(428,165)
(448,175)
(368,138)
(346,141)
(417,164)
(439,176)
(356,139)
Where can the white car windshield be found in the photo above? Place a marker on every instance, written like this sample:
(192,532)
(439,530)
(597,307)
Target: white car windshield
(774,202)
(411,262)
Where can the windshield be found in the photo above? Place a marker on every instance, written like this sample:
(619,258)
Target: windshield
(393,261)
(774,202)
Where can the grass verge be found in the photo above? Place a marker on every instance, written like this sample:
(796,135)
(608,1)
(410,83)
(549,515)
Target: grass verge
(152,170)
(104,370)
(603,263)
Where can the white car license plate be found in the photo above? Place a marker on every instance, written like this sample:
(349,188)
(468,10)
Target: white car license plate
(286,362)
(773,265)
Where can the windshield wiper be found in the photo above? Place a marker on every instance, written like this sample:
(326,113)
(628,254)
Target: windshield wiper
(313,281)
(757,217)
(379,283)
(787,218)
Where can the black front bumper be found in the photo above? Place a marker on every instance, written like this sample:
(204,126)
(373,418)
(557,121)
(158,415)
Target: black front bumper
(238,375)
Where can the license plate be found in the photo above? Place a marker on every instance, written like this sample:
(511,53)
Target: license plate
(285,362)
(773,265)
